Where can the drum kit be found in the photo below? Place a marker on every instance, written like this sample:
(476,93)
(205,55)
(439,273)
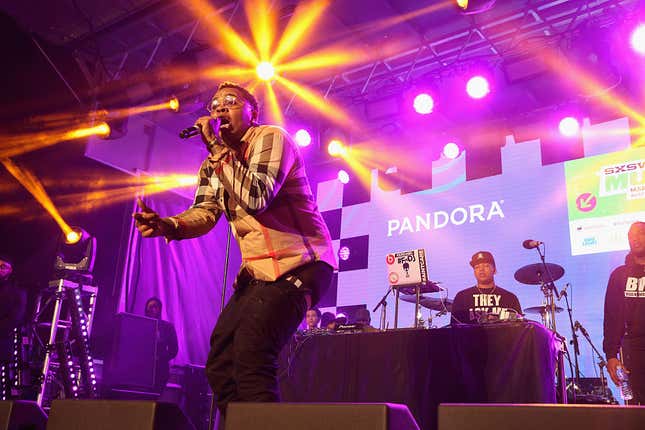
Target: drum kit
(545,275)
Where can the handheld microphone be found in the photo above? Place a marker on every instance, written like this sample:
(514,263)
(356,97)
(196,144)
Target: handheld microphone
(530,244)
(195,130)
(191,131)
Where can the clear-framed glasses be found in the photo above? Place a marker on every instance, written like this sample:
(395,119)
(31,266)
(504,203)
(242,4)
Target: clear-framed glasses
(228,101)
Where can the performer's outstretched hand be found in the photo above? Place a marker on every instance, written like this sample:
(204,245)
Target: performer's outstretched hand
(149,223)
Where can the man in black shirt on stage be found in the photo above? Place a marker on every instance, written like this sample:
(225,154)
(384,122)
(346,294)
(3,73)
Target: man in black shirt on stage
(485,301)
(624,324)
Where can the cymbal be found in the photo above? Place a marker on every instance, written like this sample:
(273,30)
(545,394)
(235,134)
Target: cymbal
(535,274)
(541,310)
(431,303)
(428,287)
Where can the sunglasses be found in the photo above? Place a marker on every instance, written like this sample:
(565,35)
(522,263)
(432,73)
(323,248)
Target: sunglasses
(228,101)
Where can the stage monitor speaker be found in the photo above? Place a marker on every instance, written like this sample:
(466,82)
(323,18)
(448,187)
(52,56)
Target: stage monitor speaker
(116,415)
(540,417)
(131,363)
(21,415)
(319,416)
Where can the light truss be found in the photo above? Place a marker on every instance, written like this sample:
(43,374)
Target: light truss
(498,39)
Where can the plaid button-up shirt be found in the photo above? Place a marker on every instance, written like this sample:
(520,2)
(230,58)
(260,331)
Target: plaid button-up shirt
(264,193)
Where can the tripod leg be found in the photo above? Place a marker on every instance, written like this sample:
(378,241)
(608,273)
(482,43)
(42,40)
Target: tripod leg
(52,339)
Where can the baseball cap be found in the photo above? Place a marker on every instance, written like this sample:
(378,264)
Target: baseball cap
(482,257)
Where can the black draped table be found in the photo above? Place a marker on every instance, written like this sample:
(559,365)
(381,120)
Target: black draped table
(505,362)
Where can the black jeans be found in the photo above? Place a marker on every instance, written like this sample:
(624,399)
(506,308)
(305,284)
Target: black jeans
(634,356)
(254,326)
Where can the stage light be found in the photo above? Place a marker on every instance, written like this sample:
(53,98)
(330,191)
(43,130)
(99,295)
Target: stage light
(265,71)
(451,150)
(637,39)
(343,253)
(173,104)
(103,129)
(343,176)
(72,237)
(569,126)
(336,148)
(303,138)
(469,7)
(423,104)
(76,252)
(477,87)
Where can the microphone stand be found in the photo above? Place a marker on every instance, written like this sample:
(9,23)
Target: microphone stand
(549,290)
(574,342)
(383,305)
(601,361)
(550,287)
(226,259)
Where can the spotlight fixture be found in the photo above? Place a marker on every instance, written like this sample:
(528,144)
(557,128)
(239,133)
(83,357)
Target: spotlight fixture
(115,128)
(451,150)
(569,126)
(637,39)
(478,87)
(336,148)
(343,176)
(76,252)
(303,137)
(173,104)
(470,7)
(103,129)
(265,70)
(423,104)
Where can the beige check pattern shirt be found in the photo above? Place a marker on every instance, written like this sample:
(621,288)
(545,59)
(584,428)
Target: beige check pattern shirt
(264,193)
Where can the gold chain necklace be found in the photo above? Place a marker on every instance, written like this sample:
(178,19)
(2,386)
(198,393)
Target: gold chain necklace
(481,292)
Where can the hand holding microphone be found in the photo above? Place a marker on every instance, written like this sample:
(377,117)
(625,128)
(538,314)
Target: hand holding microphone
(208,127)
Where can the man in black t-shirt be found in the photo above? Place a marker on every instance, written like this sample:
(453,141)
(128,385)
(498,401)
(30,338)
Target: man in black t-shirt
(624,323)
(485,301)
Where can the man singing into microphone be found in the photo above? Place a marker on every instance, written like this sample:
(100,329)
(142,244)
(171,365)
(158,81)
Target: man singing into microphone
(485,301)
(624,323)
(255,176)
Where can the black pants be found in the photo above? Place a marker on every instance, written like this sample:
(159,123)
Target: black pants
(254,326)
(634,356)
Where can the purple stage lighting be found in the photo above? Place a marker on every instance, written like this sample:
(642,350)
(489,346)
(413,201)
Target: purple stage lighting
(303,138)
(569,126)
(451,150)
(638,39)
(343,176)
(477,87)
(423,104)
